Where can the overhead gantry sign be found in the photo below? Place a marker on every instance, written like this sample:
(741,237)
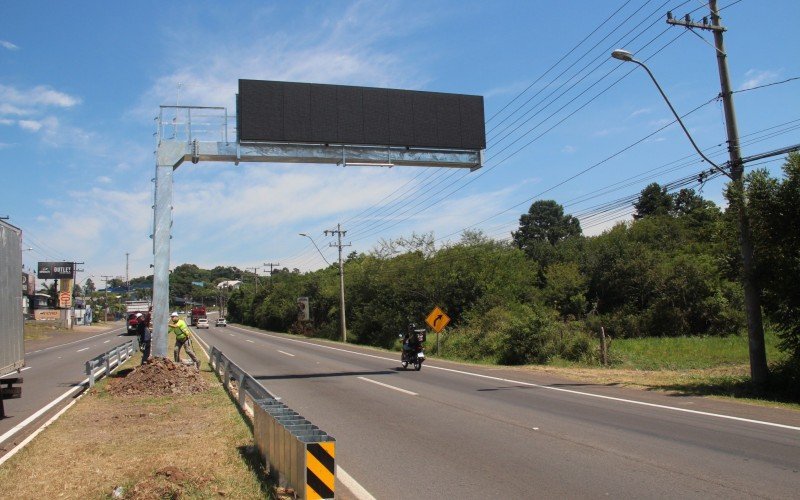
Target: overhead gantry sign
(286,122)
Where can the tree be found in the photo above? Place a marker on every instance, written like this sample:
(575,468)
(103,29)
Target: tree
(653,200)
(565,289)
(774,214)
(89,287)
(545,222)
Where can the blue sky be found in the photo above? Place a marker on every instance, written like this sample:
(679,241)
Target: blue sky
(81,83)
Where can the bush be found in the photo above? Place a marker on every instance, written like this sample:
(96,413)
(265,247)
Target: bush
(519,334)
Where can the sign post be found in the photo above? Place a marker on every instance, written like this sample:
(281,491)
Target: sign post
(437,320)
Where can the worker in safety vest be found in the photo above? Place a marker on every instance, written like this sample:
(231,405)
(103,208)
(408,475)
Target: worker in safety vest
(182,338)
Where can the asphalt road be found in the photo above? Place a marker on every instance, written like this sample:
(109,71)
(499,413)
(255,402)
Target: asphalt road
(460,431)
(51,369)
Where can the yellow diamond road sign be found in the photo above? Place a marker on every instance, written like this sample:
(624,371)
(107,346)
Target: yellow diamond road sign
(437,319)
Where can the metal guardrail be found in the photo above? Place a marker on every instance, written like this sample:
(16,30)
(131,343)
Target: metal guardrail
(106,360)
(295,451)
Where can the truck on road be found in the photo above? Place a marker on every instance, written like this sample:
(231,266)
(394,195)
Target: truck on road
(12,352)
(137,306)
(197,313)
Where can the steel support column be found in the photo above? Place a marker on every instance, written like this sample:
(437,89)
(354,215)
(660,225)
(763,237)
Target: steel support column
(169,156)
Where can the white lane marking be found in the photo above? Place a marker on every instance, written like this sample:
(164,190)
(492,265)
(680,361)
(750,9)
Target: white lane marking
(248,340)
(388,386)
(232,335)
(549,388)
(38,413)
(82,385)
(286,353)
(40,429)
(84,349)
(107,341)
(12,374)
(76,341)
(356,489)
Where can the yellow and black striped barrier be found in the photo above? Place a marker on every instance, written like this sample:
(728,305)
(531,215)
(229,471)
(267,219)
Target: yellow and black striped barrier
(320,469)
(298,453)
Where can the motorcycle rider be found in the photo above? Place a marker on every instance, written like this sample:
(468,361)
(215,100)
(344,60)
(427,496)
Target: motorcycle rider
(410,342)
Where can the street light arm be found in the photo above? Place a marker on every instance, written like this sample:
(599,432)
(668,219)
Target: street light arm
(677,117)
(315,246)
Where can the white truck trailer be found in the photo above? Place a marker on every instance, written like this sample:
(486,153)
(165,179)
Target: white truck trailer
(12,352)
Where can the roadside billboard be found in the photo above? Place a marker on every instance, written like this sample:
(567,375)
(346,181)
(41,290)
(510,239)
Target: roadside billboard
(56,270)
(269,111)
(47,314)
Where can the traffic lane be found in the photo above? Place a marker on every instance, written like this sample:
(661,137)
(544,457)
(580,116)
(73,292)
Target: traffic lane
(655,462)
(729,413)
(49,373)
(752,440)
(509,377)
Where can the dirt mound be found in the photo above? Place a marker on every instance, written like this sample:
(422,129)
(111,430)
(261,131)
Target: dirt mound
(159,377)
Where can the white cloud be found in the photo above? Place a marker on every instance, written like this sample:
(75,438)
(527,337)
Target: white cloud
(6,121)
(755,77)
(568,149)
(39,96)
(103,179)
(10,109)
(31,125)
(8,45)
(4,145)
(642,111)
(608,131)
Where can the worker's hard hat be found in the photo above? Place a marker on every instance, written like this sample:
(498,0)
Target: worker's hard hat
(174,314)
(138,315)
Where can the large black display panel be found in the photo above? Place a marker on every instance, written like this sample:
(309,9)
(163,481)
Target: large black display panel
(339,114)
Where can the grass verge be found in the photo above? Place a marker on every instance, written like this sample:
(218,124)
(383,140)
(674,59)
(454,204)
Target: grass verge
(694,366)
(188,446)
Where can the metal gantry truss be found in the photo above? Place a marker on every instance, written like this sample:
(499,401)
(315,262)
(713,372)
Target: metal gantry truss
(191,124)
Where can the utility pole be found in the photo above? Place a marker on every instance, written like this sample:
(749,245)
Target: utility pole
(255,278)
(127,276)
(759,371)
(339,233)
(271,265)
(106,278)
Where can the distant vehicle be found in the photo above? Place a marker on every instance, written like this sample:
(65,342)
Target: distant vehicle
(202,323)
(221,322)
(197,313)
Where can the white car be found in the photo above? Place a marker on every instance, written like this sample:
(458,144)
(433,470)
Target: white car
(202,323)
(221,322)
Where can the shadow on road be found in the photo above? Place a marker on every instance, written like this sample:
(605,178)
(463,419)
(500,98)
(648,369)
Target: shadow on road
(322,375)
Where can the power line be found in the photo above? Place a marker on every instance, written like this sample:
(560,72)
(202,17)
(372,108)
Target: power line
(766,85)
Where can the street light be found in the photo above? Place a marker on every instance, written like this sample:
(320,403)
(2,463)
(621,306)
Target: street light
(759,371)
(627,56)
(315,246)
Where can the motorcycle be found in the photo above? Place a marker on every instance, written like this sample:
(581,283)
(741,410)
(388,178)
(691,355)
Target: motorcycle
(413,353)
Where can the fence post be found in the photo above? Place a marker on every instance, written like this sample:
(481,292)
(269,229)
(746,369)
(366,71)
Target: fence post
(242,389)
(90,373)
(603,346)
(227,374)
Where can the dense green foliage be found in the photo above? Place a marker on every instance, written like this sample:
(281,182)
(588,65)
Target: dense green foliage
(671,272)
